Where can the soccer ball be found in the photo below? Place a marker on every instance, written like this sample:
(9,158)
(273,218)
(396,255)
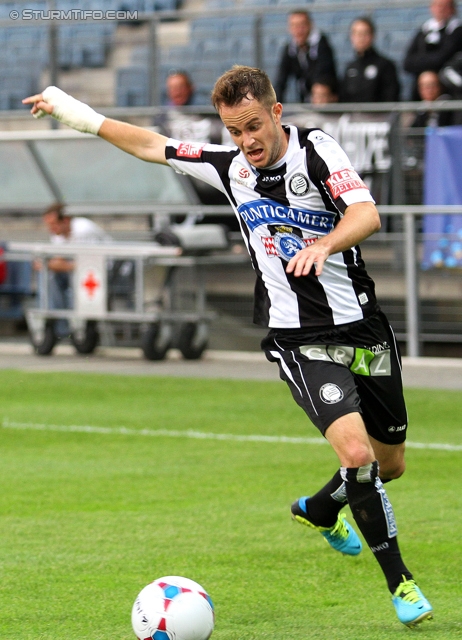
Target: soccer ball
(173,608)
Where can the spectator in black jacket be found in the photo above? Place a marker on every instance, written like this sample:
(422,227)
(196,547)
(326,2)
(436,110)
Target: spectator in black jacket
(307,57)
(370,77)
(431,90)
(436,42)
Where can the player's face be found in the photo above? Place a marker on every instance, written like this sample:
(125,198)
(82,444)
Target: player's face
(256,131)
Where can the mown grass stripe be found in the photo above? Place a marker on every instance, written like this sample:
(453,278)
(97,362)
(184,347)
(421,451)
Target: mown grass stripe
(198,435)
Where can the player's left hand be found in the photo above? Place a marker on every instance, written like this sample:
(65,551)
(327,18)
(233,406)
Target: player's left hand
(302,262)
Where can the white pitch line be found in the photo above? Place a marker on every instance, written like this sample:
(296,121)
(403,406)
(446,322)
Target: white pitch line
(198,435)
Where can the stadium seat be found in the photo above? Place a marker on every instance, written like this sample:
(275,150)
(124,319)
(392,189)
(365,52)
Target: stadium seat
(84,45)
(16,287)
(132,87)
(15,83)
(258,3)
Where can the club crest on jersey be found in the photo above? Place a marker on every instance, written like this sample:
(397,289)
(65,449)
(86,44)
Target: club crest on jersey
(299,184)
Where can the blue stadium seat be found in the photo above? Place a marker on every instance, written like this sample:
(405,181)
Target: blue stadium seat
(17,287)
(219,4)
(289,2)
(15,84)
(132,87)
(258,3)
(207,27)
(84,45)
(140,56)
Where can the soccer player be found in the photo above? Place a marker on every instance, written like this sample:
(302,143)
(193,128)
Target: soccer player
(303,210)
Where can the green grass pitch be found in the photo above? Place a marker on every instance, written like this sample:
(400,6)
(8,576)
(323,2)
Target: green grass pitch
(94,504)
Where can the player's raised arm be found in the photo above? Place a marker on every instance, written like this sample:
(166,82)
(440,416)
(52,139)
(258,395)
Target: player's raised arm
(139,142)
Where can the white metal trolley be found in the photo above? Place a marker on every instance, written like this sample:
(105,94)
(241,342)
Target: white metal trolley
(165,302)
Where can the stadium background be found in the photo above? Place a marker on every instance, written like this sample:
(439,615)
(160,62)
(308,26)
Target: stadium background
(120,67)
(100,492)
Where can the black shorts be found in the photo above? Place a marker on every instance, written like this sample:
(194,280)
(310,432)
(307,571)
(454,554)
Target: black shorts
(351,368)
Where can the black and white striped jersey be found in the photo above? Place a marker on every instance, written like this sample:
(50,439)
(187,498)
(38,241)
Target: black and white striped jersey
(281,210)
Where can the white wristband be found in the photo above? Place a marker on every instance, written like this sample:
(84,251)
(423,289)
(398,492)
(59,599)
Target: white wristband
(72,112)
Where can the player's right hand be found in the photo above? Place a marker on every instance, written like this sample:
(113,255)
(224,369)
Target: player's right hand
(57,103)
(40,108)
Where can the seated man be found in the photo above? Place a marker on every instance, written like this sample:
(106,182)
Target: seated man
(324,91)
(65,229)
(430,89)
(180,89)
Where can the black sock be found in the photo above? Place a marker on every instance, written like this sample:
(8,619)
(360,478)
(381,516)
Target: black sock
(324,506)
(374,516)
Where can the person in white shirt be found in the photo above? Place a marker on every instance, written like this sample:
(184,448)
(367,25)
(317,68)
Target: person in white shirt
(65,229)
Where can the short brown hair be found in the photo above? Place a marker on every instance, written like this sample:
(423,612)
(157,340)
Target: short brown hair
(301,12)
(367,21)
(56,207)
(242,82)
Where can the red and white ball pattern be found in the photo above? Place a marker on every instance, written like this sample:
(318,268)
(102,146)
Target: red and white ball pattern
(173,608)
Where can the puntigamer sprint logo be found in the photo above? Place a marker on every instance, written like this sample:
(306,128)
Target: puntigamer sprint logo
(72,14)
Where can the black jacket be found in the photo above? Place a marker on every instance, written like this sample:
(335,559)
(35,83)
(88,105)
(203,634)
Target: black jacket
(432,47)
(307,65)
(437,118)
(370,78)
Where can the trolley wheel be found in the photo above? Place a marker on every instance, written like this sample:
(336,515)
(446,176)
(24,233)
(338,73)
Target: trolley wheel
(45,346)
(156,341)
(193,339)
(87,340)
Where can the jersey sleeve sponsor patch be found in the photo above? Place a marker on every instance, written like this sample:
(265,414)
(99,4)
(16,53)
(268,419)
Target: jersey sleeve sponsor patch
(189,150)
(343,181)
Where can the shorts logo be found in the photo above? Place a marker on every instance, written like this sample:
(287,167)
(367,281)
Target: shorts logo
(299,185)
(330,393)
(395,429)
(190,150)
(343,181)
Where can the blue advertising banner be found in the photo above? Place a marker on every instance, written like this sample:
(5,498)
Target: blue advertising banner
(443,185)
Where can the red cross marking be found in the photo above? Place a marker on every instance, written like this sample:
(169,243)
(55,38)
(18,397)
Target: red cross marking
(90,284)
